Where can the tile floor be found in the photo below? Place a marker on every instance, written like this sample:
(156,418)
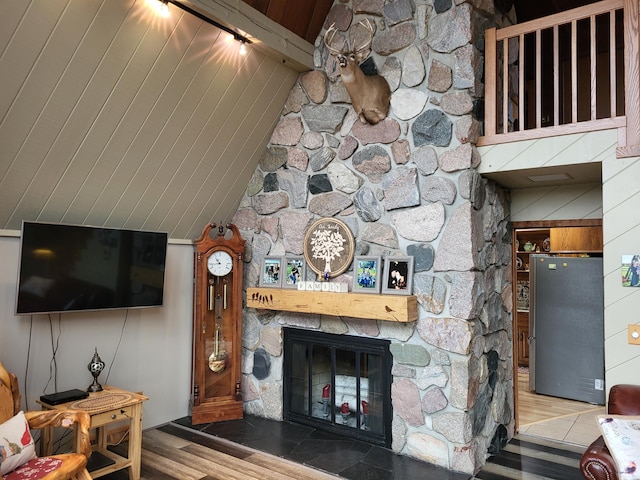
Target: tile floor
(350,459)
(578,429)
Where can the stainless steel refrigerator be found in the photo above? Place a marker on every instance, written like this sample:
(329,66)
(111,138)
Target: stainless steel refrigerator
(566,324)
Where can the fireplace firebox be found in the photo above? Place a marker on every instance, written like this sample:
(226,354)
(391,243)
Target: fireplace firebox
(338,383)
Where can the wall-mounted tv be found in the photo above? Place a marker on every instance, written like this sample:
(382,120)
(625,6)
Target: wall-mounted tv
(65,268)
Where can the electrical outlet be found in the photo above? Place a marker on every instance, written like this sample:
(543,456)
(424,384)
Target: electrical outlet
(634,334)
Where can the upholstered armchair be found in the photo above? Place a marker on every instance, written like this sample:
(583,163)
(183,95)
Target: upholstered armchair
(18,460)
(597,463)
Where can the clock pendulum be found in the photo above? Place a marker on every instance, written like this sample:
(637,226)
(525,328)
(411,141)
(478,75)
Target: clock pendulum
(218,358)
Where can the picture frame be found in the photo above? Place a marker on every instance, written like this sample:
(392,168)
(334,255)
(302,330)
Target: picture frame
(270,272)
(367,272)
(522,289)
(295,271)
(631,270)
(398,275)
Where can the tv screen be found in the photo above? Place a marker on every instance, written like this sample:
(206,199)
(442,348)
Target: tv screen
(65,268)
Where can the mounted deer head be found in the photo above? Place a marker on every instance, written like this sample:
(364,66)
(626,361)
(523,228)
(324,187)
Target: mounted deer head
(370,94)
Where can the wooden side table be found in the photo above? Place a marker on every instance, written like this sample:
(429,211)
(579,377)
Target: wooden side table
(107,407)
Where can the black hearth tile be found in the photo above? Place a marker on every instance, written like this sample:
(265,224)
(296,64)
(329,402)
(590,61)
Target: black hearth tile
(302,458)
(186,422)
(274,445)
(406,467)
(319,434)
(296,431)
(364,471)
(237,430)
(338,461)
(410,468)
(382,458)
(321,447)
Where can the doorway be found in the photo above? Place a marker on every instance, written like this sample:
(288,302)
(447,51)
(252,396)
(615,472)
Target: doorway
(546,416)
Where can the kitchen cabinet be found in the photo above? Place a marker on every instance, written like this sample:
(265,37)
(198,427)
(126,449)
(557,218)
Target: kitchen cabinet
(576,239)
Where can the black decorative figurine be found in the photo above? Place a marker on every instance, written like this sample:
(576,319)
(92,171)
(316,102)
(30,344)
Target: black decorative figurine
(95,367)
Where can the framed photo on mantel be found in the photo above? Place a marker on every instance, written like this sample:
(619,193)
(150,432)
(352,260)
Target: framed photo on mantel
(398,275)
(294,271)
(366,274)
(270,272)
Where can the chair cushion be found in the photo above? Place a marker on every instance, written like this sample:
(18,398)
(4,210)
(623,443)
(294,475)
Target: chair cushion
(621,433)
(16,444)
(34,469)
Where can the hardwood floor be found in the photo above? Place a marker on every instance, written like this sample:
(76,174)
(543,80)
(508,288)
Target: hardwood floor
(533,408)
(174,451)
(556,419)
(179,454)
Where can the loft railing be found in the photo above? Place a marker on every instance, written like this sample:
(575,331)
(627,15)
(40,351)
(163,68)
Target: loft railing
(576,71)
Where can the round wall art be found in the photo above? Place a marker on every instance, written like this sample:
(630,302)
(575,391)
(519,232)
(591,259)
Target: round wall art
(328,247)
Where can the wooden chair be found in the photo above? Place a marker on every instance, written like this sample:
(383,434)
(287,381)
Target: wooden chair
(71,465)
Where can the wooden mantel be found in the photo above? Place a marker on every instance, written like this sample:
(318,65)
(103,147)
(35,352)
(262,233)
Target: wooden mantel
(393,308)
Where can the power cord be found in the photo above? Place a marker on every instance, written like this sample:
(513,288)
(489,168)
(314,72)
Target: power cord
(53,364)
(26,369)
(115,354)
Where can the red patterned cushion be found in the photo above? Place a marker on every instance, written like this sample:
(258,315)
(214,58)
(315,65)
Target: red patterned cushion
(34,469)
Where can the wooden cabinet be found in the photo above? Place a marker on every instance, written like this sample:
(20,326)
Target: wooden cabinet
(522,338)
(576,239)
(560,241)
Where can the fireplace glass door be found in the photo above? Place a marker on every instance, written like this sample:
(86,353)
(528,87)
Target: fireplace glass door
(340,383)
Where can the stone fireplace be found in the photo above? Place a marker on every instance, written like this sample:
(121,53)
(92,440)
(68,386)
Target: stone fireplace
(407,186)
(338,383)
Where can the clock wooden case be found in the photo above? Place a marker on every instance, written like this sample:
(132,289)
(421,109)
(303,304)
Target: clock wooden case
(217,325)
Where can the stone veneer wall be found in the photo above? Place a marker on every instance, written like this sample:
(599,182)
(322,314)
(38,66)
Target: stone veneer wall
(407,186)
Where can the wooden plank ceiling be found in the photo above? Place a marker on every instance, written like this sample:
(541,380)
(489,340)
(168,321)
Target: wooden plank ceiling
(304,18)
(111,115)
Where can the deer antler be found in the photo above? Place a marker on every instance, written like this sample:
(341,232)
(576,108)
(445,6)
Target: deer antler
(369,28)
(328,38)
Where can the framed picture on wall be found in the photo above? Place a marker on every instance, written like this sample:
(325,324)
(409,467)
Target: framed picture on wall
(366,274)
(270,272)
(294,271)
(631,270)
(398,275)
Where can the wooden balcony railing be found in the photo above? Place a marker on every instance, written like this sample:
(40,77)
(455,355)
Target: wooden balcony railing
(575,71)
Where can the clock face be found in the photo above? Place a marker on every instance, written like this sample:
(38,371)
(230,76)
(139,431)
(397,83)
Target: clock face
(220,263)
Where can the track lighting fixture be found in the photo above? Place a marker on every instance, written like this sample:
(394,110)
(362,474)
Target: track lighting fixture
(163,9)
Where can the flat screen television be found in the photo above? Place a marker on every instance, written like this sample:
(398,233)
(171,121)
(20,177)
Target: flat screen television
(66,268)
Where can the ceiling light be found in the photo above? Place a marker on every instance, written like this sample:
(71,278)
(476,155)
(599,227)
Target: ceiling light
(162,7)
(243,49)
(552,177)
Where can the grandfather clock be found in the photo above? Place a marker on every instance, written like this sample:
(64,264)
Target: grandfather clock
(217,325)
